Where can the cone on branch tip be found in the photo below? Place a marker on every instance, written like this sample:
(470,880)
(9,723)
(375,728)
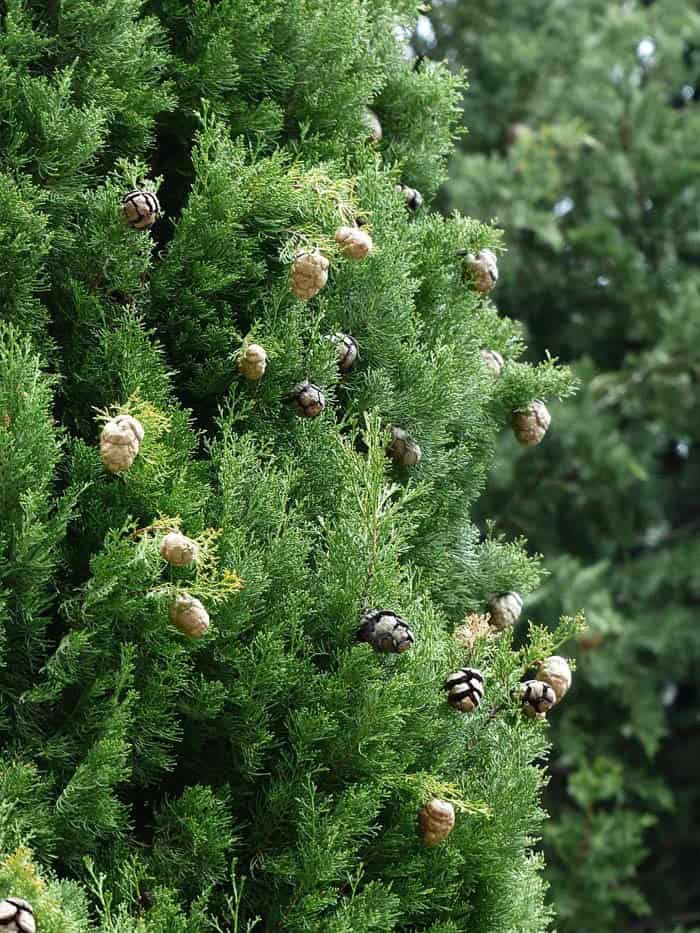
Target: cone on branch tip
(403,449)
(536,698)
(189,616)
(385,631)
(179,550)
(354,243)
(556,672)
(436,821)
(482,270)
(505,609)
(412,197)
(309,274)
(141,209)
(308,399)
(16,916)
(120,442)
(465,689)
(347,351)
(252,362)
(530,424)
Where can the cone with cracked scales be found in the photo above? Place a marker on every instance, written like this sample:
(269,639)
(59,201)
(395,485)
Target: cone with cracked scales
(308,399)
(536,698)
(141,209)
(346,349)
(412,197)
(16,916)
(385,631)
(465,689)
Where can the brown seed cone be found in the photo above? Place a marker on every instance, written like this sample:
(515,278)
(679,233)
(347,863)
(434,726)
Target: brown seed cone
(494,361)
(385,631)
(16,916)
(120,442)
(413,198)
(482,269)
(530,424)
(505,609)
(436,821)
(556,672)
(465,689)
(141,209)
(308,399)
(189,616)
(252,363)
(346,350)
(178,549)
(403,449)
(353,242)
(536,698)
(309,274)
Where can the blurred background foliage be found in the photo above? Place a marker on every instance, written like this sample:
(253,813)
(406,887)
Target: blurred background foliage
(583,144)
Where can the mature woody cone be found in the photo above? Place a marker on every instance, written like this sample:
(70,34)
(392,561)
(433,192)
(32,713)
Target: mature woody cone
(371,121)
(413,198)
(403,449)
(308,399)
(346,350)
(530,424)
(493,360)
(465,689)
(120,442)
(505,609)
(537,698)
(141,209)
(385,631)
(189,616)
(556,672)
(482,269)
(436,821)
(309,274)
(252,363)
(353,242)
(178,549)
(16,916)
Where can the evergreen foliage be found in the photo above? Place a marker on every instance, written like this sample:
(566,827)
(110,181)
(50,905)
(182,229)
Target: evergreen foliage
(268,775)
(583,144)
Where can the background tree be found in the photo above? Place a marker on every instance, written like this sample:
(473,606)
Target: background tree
(583,143)
(269,774)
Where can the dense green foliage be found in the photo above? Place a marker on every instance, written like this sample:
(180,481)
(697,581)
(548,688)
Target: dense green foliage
(268,775)
(584,143)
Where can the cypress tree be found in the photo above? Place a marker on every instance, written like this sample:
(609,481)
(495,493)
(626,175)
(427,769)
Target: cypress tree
(269,773)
